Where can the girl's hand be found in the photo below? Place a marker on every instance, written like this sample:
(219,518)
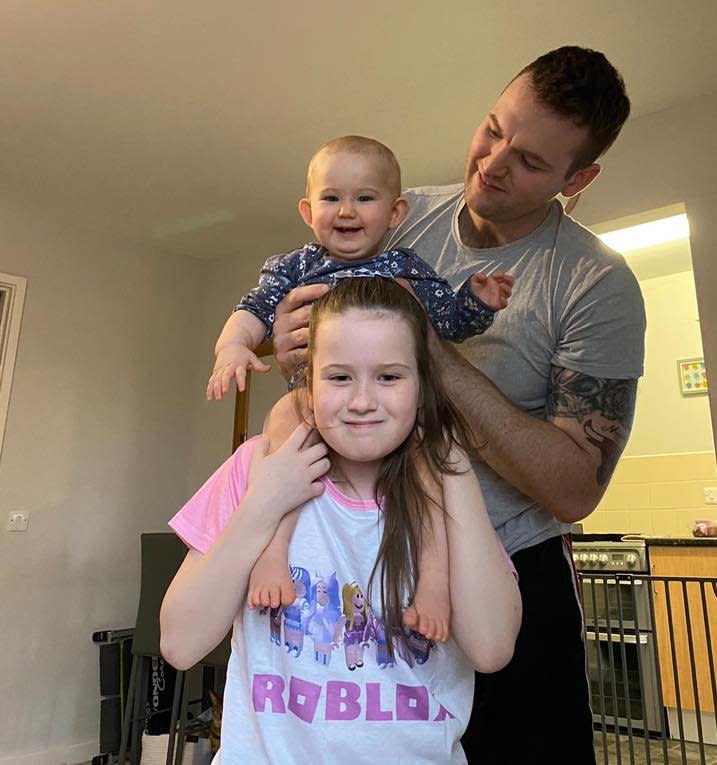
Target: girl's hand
(290,476)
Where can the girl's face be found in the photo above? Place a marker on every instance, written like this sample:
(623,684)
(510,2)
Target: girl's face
(365,385)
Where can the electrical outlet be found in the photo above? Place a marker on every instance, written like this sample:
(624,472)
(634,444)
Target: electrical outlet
(17,521)
(710,495)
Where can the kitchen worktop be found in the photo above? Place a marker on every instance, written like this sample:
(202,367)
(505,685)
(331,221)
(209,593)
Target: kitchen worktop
(686,541)
(681,541)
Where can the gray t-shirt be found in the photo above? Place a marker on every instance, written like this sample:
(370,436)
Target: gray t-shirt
(575,304)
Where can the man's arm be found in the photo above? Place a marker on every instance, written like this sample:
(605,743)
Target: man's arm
(564,462)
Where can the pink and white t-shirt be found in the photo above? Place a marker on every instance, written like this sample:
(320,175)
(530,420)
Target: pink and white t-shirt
(314,683)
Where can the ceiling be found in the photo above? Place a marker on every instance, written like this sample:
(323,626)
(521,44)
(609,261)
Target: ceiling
(187,126)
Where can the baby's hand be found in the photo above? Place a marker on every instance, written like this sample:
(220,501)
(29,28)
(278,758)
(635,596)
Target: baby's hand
(233,361)
(493,290)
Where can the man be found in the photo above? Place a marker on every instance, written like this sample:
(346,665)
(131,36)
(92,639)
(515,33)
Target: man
(549,390)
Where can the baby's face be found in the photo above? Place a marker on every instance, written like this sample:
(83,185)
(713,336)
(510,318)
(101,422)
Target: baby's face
(350,206)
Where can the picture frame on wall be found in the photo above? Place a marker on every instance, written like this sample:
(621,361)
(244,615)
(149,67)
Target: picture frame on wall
(693,376)
(12,300)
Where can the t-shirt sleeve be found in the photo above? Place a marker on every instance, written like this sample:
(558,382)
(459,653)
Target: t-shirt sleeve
(279,275)
(602,330)
(204,517)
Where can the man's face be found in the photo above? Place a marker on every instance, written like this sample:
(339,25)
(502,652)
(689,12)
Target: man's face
(519,157)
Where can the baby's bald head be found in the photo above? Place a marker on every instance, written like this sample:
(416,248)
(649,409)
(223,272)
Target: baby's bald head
(387,167)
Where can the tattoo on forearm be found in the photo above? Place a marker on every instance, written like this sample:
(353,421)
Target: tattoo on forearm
(604,408)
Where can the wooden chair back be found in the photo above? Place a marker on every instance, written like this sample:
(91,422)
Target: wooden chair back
(241,405)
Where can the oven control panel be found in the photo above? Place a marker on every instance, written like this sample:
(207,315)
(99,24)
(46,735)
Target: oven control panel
(614,556)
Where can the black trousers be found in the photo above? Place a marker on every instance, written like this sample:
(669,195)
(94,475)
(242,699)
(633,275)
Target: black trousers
(536,711)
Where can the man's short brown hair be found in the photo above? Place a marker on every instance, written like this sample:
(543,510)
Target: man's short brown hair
(583,85)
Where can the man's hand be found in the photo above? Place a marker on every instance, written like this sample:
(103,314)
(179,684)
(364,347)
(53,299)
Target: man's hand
(291,323)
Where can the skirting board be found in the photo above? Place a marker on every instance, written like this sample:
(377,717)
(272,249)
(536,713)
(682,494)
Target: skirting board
(66,755)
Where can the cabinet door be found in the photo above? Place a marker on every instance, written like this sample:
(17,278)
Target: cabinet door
(688,627)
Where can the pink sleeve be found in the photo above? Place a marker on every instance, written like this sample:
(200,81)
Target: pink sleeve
(206,514)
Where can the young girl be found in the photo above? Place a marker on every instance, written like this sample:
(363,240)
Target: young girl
(388,431)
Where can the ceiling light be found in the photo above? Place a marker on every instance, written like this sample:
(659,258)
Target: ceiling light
(648,234)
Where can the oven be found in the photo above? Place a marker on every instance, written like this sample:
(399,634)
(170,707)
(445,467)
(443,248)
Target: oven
(620,640)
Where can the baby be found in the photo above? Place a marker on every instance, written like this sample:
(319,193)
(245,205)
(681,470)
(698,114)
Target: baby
(353,198)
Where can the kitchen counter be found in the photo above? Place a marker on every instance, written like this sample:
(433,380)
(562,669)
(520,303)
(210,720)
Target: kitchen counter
(686,541)
(681,541)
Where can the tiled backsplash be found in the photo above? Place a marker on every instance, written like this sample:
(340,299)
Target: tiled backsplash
(659,495)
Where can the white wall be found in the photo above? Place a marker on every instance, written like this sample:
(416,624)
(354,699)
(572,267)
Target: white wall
(659,160)
(666,422)
(98,448)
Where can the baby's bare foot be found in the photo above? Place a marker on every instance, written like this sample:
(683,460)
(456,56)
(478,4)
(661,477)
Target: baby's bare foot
(430,612)
(270,584)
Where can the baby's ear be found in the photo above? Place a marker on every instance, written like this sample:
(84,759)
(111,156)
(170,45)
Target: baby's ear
(305,211)
(400,211)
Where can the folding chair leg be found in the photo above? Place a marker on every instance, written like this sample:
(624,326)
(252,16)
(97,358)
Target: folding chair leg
(178,688)
(127,712)
(140,698)
(183,711)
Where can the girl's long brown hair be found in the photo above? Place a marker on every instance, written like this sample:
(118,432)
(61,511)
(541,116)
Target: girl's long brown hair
(400,489)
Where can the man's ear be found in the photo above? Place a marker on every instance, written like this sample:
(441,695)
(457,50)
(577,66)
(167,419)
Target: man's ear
(305,211)
(580,180)
(400,211)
